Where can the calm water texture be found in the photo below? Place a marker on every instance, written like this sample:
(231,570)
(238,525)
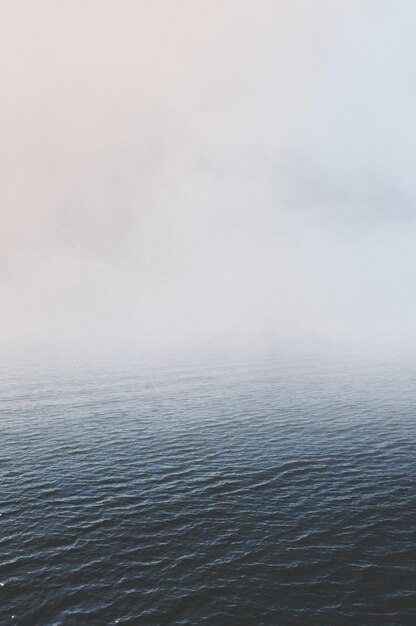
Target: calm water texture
(251,491)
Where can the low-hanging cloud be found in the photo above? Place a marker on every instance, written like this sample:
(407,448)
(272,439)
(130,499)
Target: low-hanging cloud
(179,173)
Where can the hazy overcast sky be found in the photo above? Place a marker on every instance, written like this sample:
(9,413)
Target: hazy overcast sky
(181,172)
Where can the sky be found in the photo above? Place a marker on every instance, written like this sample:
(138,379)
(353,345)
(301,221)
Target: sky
(208,173)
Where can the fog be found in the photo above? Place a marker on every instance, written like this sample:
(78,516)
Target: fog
(208,173)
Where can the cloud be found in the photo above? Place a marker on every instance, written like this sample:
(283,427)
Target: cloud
(189,172)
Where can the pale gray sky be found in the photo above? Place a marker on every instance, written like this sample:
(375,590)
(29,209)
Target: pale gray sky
(192,171)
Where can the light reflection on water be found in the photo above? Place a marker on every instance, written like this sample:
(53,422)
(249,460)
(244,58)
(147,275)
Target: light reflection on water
(221,491)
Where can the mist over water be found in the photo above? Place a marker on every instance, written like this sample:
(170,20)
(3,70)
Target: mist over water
(207,312)
(177,174)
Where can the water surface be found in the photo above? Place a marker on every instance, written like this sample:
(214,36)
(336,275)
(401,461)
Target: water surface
(223,491)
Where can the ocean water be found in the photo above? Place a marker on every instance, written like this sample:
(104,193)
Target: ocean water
(253,490)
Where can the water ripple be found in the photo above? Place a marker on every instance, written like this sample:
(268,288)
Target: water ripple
(224,493)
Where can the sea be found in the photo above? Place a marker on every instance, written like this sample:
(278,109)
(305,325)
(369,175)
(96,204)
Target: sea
(237,489)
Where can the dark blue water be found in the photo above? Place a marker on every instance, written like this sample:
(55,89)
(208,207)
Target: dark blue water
(224,491)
